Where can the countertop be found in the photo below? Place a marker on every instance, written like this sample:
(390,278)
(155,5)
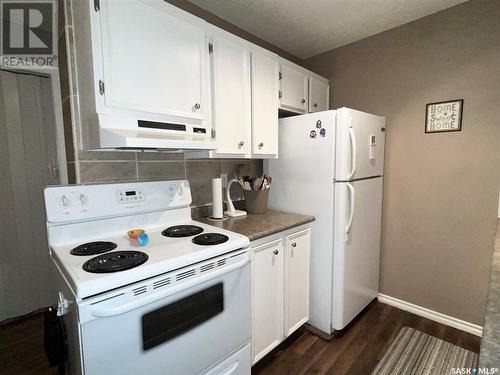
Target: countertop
(256,226)
(490,342)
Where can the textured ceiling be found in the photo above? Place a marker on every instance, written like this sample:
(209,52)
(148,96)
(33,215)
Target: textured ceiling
(305,28)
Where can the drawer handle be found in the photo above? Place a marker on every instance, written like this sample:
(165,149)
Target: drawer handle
(241,144)
(196,106)
(276,252)
(303,101)
(261,144)
(294,244)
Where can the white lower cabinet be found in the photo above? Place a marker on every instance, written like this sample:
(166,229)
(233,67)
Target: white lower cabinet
(296,280)
(267,298)
(280,289)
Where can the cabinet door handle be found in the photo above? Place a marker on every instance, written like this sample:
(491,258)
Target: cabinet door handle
(196,106)
(315,105)
(241,144)
(261,144)
(294,244)
(303,101)
(276,252)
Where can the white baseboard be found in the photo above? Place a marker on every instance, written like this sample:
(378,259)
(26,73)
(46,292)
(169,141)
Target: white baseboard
(462,325)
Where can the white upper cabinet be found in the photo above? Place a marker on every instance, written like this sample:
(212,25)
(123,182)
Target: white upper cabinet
(318,94)
(301,90)
(265,102)
(154,59)
(150,61)
(231,117)
(294,82)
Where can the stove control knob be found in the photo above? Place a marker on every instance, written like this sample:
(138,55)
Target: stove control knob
(82,199)
(65,201)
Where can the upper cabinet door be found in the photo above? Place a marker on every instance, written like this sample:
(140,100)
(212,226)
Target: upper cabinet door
(231,95)
(318,95)
(154,59)
(265,102)
(293,88)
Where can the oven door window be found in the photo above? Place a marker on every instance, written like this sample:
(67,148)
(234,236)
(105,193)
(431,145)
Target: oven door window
(167,322)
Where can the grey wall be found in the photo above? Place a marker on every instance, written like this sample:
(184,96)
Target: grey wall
(27,150)
(440,190)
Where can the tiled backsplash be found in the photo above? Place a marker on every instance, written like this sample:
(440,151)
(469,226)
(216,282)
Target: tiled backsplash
(111,166)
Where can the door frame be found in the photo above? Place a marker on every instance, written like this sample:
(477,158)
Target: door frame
(53,74)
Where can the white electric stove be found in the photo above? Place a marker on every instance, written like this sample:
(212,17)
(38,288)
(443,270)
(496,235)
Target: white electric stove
(179,304)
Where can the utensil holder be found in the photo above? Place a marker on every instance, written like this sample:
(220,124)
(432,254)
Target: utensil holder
(256,201)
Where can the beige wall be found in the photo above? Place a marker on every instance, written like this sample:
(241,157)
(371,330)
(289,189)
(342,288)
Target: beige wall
(441,190)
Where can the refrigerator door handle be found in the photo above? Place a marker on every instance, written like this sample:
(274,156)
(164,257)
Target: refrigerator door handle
(352,136)
(351,214)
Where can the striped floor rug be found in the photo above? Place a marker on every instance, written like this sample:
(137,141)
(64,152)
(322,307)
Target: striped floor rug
(416,353)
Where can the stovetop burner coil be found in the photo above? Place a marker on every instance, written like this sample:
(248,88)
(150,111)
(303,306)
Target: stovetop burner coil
(115,261)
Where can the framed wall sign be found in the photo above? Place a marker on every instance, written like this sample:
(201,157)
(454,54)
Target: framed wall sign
(444,117)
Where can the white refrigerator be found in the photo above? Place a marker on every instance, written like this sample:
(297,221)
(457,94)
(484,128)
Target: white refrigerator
(330,166)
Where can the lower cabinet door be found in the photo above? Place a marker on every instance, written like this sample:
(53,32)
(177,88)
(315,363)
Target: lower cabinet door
(296,280)
(267,298)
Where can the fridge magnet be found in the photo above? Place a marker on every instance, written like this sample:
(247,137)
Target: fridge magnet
(318,124)
(442,117)
(322,132)
(312,134)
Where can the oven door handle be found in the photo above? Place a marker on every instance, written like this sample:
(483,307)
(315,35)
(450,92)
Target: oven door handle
(102,312)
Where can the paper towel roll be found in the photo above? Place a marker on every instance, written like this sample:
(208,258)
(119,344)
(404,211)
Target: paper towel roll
(217,210)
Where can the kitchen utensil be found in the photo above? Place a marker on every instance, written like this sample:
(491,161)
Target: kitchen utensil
(239,178)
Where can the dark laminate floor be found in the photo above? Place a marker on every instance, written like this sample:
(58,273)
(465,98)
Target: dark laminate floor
(21,347)
(356,351)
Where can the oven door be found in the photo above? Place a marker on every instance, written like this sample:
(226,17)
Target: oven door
(178,323)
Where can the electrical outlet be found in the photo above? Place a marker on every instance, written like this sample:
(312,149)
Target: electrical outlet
(223,177)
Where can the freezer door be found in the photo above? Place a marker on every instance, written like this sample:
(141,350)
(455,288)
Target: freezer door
(358,207)
(360,145)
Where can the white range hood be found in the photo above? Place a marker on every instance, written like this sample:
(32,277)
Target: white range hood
(118,132)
